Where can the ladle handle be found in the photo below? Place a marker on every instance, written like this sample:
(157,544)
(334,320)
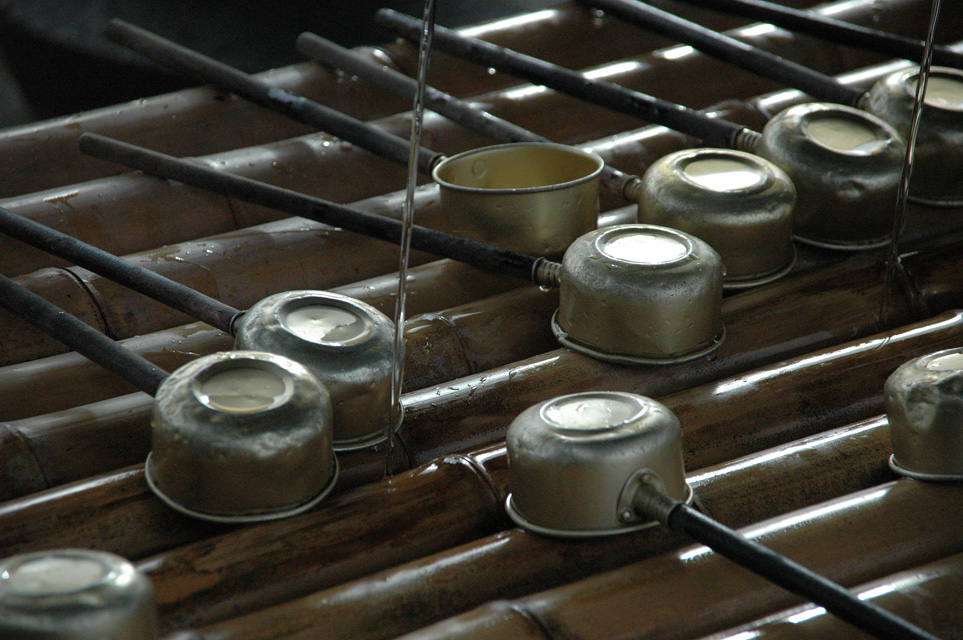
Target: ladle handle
(386,78)
(735,52)
(714,131)
(80,337)
(153,285)
(470,252)
(833,30)
(650,502)
(227,78)
(440,102)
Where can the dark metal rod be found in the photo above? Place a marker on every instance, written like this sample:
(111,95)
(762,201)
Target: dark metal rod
(386,78)
(446,245)
(226,78)
(793,576)
(833,30)
(80,337)
(735,52)
(714,131)
(173,294)
(438,101)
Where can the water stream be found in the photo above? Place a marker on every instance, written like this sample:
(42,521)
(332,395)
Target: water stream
(417,118)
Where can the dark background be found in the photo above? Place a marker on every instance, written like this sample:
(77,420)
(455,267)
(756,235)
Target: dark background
(55,60)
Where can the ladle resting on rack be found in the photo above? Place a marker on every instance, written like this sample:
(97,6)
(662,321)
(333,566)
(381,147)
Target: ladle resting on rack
(277,459)
(844,163)
(606,463)
(938,152)
(533,198)
(619,265)
(749,222)
(344,342)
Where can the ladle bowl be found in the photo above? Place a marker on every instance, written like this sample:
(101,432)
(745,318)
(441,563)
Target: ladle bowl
(531,197)
(575,462)
(740,204)
(938,154)
(241,436)
(75,594)
(345,343)
(640,294)
(845,165)
(924,404)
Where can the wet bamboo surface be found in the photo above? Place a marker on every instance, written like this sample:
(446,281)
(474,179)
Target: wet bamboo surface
(928,595)
(140,206)
(222,576)
(68,380)
(451,548)
(44,155)
(765,325)
(514,562)
(856,538)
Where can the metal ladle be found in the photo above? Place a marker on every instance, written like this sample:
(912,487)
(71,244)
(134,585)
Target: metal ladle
(844,163)
(747,219)
(603,463)
(680,274)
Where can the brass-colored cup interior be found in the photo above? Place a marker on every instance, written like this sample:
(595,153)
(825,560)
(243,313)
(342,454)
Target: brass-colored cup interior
(534,198)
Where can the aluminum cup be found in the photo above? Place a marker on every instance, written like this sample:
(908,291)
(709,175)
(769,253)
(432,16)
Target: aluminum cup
(576,461)
(737,202)
(640,294)
(938,154)
(846,167)
(924,404)
(75,594)
(531,197)
(241,436)
(345,343)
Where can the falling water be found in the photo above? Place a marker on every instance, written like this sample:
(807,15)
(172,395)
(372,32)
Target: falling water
(893,262)
(417,117)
